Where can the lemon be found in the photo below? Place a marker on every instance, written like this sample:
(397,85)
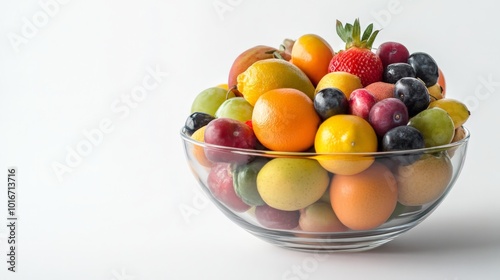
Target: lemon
(344,81)
(291,184)
(267,74)
(345,134)
(457,110)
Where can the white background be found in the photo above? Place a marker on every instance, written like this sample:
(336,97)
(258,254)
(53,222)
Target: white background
(67,70)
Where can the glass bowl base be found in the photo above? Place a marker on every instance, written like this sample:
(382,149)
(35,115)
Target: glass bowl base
(327,243)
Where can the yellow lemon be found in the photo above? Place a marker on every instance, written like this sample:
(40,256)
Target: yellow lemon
(344,81)
(291,183)
(268,74)
(345,134)
(457,110)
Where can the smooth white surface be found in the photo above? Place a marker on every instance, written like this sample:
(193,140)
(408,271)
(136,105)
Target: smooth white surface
(117,215)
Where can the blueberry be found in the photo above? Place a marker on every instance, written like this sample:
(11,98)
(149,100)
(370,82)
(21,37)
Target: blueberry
(413,93)
(395,71)
(329,102)
(197,120)
(425,67)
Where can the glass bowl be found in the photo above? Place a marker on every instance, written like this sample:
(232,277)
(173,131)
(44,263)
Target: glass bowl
(331,213)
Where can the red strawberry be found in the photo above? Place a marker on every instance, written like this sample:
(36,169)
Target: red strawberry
(357,58)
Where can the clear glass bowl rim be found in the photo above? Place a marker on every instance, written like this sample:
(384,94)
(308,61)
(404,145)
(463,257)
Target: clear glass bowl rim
(268,153)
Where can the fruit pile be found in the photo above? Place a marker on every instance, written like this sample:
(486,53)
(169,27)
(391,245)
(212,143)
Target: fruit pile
(304,97)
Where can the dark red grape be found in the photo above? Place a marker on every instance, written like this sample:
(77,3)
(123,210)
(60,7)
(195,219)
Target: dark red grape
(387,114)
(392,52)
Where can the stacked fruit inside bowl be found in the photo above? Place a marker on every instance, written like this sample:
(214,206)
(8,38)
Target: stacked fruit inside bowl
(294,137)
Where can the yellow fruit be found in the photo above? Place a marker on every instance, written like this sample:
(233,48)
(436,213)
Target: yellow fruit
(267,74)
(457,110)
(312,54)
(423,181)
(198,151)
(291,184)
(436,92)
(460,134)
(344,81)
(345,134)
(223,86)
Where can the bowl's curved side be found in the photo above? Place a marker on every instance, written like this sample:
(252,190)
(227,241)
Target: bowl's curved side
(351,240)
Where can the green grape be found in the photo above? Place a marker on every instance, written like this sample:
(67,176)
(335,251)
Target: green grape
(436,126)
(209,100)
(235,108)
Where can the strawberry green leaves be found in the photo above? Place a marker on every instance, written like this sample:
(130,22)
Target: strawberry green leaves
(351,35)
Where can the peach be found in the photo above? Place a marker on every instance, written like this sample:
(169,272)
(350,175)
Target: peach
(381,90)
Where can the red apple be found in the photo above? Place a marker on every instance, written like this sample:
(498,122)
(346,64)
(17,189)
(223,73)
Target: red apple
(228,133)
(220,183)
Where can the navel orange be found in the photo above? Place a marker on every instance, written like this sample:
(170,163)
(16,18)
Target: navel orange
(285,120)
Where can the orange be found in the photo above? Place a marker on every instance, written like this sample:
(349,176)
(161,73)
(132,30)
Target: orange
(267,74)
(365,200)
(344,81)
(198,151)
(285,120)
(312,54)
(345,134)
